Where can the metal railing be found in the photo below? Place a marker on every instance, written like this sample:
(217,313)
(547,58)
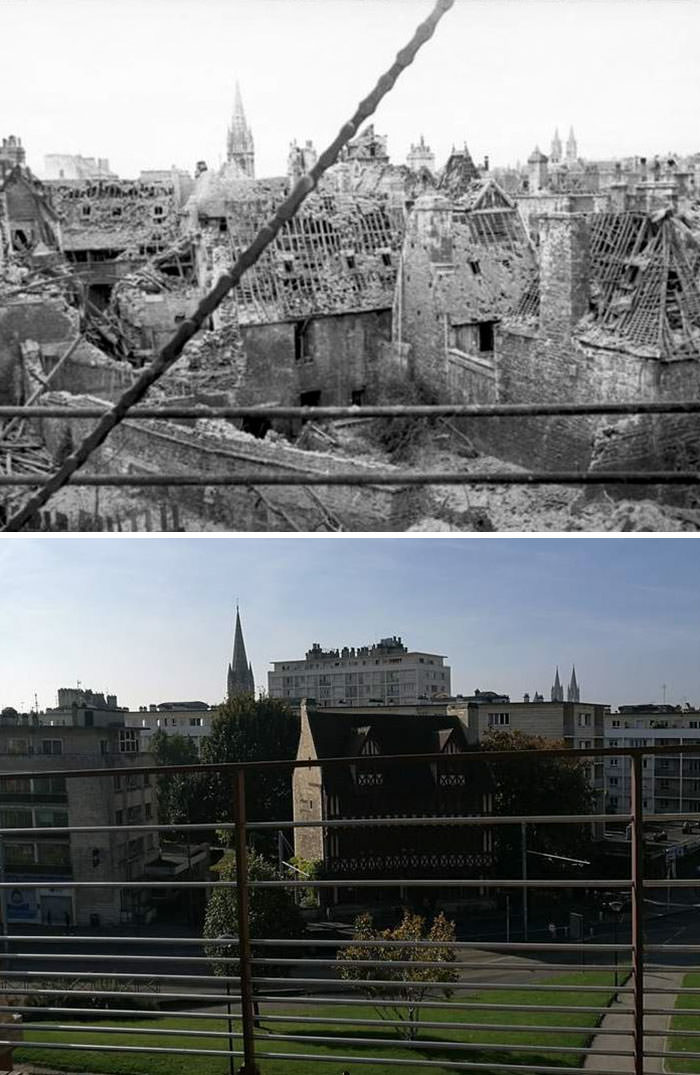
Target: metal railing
(497,1016)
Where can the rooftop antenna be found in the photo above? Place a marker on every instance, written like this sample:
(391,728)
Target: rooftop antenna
(36,703)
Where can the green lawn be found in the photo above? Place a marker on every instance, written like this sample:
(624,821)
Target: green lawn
(502,1044)
(686,1022)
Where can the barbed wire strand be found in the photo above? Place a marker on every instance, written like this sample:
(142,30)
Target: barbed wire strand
(172,350)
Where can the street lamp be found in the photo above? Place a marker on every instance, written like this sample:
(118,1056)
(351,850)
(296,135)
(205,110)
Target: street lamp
(616,907)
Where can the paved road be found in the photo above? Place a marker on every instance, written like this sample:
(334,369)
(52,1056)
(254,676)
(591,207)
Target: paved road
(620,1018)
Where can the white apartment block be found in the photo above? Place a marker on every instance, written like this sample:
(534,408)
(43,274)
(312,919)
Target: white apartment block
(384,673)
(668,786)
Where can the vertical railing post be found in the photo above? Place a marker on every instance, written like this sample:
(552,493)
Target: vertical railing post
(523,870)
(242,896)
(637,857)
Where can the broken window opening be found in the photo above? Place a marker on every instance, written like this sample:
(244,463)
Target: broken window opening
(257,427)
(302,343)
(357,397)
(310,399)
(486,335)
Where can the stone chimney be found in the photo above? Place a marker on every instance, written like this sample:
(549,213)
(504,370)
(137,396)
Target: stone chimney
(565,269)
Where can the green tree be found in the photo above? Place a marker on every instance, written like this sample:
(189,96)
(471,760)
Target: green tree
(272,914)
(182,797)
(533,786)
(248,729)
(410,982)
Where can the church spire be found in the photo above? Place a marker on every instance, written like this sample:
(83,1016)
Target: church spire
(240,147)
(557,693)
(240,672)
(571,147)
(573,693)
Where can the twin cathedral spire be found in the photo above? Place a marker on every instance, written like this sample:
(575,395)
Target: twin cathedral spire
(573,691)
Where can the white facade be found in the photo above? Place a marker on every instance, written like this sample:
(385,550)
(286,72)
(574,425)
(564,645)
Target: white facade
(193,723)
(667,785)
(383,673)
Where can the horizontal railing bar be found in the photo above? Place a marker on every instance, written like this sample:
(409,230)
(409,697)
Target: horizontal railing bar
(144,994)
(333,1002)
(319,942)
(381,478)
(459,1005)
(113,957)
(480,757)
(426,882)
(434,410)
(113,1012)
(672,947)
(496,946)
(97,1028)
(338,882)
(344,983)
(459,1065)
(413,964)
(432,1025)
(119,976)
(339,823)
(335,823)
(468,1046)
(119,1048)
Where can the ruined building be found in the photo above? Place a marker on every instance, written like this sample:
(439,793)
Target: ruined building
(240,678)
(421,156)
(464,265)
(74,166)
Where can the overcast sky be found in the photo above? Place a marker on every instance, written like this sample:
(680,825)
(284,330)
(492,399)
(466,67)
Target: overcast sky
(150,83)
(151,619)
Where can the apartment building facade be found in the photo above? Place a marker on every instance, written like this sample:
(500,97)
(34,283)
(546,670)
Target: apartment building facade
(670,784)
(381,674)
(43,745)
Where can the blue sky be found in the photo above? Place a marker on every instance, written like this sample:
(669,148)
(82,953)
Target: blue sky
(152,619)
(148,83)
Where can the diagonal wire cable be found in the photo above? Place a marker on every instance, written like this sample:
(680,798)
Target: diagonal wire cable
(173,349)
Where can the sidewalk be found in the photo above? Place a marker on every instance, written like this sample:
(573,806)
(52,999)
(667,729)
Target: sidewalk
(655,1026)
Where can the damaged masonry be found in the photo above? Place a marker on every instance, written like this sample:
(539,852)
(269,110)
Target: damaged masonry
(392,284)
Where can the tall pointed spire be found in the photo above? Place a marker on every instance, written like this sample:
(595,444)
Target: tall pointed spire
(240,147)
(571,147)
(557,693)
(573,693)
(240,673)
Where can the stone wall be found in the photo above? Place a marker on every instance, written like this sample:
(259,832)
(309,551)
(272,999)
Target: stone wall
(48,322)
(153,447)
(307,795)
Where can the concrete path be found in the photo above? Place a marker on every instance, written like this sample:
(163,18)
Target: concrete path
(620,1018)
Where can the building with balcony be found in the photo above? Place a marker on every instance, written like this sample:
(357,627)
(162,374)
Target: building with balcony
(384,673)
(37,804)
(670,784)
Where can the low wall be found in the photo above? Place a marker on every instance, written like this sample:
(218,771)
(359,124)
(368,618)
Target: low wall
(153,447)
